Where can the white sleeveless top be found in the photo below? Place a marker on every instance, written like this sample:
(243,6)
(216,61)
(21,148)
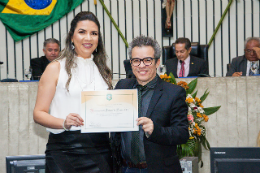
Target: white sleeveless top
(85,77)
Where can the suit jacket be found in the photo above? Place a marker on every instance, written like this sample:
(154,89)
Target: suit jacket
(38,66)
(168,111)
(197,66)
(238,64)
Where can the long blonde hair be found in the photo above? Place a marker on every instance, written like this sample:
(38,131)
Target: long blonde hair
(99,55)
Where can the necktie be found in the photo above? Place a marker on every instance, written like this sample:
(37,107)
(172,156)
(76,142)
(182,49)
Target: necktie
(135,158)
(182,70)
(253,69)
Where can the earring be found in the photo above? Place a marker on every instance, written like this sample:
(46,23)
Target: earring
(72,46)
(96,50)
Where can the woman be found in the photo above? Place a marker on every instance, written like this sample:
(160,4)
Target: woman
(81,66)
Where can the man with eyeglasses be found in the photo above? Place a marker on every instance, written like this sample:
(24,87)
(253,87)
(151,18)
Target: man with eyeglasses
(162,113)
(248,64)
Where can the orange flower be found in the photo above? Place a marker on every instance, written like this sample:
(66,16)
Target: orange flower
(199,132)
(206,118)
(183,84)
(199,115)
(197,100)
(165,76)
(200,105)
(189,100)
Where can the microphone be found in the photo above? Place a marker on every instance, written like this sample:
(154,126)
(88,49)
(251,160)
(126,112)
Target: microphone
(1,62)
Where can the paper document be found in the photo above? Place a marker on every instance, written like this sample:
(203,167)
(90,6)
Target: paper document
(109,111)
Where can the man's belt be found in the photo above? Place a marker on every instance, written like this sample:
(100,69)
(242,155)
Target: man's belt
(141,165)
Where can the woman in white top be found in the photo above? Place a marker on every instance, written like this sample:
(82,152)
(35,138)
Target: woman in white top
(81,66)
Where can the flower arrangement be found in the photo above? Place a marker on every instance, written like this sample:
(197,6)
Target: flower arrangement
(197,116)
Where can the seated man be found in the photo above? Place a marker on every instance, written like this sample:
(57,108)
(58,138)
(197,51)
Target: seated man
(51,49)
(185,65)
(248,64)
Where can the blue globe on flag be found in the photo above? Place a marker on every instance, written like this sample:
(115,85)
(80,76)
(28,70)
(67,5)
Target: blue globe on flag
(38,4)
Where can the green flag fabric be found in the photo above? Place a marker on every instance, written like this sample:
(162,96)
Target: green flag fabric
(23,18)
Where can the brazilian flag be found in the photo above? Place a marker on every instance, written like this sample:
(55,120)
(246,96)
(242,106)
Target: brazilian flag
(23,18)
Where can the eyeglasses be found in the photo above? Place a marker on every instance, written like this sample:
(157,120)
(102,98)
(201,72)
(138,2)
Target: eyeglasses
(250,51)
(137,61)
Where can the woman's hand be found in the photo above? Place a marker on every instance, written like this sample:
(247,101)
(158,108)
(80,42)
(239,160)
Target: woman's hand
(73,120)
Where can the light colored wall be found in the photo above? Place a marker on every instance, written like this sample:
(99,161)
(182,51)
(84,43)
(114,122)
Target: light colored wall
(19,134)
(195,19)
(236,124)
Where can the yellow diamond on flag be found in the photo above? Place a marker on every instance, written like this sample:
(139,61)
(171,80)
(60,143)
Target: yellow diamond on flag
(21,7)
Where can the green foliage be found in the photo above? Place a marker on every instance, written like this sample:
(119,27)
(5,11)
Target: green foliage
(211,110)
(172,79)
(204,96)
(187,149)
(192,85)
(197,140)
(194,94)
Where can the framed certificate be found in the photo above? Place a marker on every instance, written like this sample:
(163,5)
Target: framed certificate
(109,111)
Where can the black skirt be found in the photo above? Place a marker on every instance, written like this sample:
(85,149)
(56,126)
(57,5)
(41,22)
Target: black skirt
(72,151)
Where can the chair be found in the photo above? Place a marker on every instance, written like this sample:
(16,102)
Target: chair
(228,67)
(200,51)
(128,69)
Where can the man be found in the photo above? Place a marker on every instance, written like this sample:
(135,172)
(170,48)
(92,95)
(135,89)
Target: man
(185,65)
(248,64)
(162,115)
(51,50)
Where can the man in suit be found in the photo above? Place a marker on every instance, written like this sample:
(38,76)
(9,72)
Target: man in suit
(51,50)
(185,65)
(162,115)
(248,64)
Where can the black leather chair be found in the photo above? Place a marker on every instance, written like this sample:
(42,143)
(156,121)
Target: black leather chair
(200,51)
(128,69)
(228,66)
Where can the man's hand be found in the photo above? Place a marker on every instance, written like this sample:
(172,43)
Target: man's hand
(237,74)
(147,124)
(257,51)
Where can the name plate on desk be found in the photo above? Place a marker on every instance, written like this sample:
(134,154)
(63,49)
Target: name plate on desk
(109,111)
